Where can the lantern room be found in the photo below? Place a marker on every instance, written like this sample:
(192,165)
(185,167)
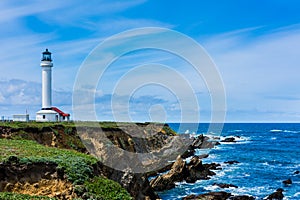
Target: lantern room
(46,56)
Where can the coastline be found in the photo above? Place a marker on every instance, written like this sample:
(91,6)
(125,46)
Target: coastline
(187,172)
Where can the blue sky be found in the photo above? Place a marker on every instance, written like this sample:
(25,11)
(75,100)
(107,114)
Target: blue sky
(255,45)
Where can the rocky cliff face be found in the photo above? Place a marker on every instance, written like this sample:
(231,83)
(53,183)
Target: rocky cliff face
(126,137)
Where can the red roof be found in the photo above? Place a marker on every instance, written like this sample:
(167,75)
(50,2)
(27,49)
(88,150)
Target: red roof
(61,113)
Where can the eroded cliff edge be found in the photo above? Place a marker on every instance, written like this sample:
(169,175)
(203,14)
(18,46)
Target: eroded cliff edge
(65,136)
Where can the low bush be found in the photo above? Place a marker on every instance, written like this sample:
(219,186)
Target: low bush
(14,196)
(104,189)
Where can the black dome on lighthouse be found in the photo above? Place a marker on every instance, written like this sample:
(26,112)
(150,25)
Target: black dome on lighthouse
(46,56)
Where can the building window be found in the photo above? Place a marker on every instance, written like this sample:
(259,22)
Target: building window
(44,116)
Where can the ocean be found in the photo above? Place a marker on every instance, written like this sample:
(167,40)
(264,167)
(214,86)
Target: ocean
(267,154)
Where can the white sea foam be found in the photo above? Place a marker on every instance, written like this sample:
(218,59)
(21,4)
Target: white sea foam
(236,138)
(275,130)
(288,131)
(225,170)
(212,135)
(282,131)
(250,191)
(297,194)
(235,131)
(188,159)
(201,151)
(211,187)
(266,164)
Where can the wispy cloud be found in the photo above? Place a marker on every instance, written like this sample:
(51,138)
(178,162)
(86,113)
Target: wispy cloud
(27,94)
(12,10)
(263,66)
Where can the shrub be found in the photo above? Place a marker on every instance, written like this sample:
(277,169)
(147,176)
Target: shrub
(105,189)
(14,196)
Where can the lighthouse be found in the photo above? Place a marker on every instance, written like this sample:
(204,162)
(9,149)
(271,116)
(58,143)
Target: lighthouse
(48,113)
(46,65)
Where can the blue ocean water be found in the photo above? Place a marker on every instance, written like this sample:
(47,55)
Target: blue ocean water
(268,154)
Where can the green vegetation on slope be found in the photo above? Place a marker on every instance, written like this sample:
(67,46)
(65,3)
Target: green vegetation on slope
(77,166)
(14,196)
(40,125)
(98,189)
(104,125)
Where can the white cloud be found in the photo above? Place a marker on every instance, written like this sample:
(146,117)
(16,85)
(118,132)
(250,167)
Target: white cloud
(23,95)
(13,9)
(259,71)
(253,69)
(115,25)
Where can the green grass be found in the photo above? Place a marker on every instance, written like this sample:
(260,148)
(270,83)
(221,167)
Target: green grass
(14,196)
(76,165)
(105,189)
(34,124)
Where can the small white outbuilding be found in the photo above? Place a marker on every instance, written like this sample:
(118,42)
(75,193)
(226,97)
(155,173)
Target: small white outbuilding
(21,118)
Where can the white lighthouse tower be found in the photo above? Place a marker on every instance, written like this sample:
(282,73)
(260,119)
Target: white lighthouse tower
(48,113)
(46,65)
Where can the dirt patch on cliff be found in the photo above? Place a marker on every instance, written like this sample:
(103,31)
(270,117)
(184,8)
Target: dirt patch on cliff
(52,188)
(42,178)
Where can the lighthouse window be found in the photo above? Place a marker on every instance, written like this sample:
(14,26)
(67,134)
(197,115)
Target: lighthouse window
(44,116)
(47,57)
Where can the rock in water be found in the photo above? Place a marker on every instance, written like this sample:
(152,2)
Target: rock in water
(167,181)
(287,182)
(276,195)
(225,185)
(242,197)
(297,172)
(198,171)
(209,196)
(231,162)
(229,139)
(188,153)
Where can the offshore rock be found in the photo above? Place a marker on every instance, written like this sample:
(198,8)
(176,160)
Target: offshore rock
(231,162)
(199,142)
(202,142)
(225,185)
(198,171)
(242,197)
(276,195)
(188,153)
(229,139)
(167,181)
(181,171)
(209,196)
(287,182)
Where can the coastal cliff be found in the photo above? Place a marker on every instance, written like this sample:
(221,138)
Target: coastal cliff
(31,173)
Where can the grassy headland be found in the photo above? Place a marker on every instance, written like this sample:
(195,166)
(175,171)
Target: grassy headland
(19,149)
(57,147)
